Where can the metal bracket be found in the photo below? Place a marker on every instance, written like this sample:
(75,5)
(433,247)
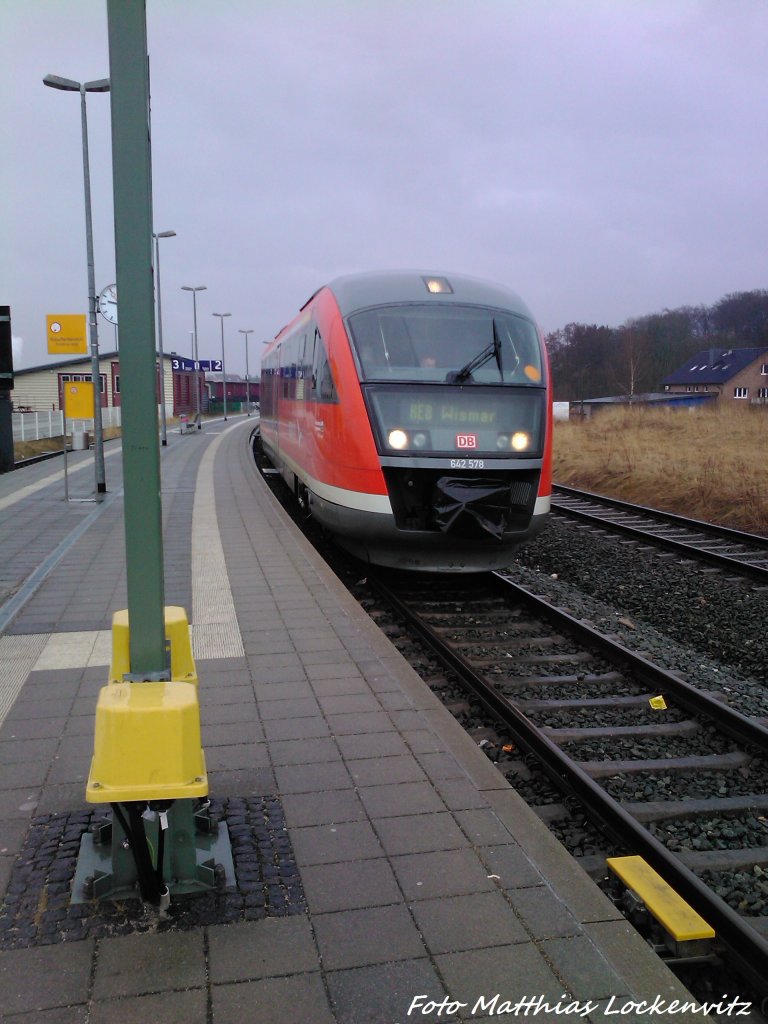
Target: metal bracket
(197,859)
(148,677)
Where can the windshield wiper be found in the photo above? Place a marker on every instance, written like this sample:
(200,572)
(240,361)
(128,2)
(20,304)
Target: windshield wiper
(497,348)
(491,350)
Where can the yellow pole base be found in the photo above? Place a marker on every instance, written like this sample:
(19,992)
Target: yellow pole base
(147,734)
(176,633)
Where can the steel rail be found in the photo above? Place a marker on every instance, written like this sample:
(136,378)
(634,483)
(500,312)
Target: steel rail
(744,945)
(726,532)
(738,726)
(683,548)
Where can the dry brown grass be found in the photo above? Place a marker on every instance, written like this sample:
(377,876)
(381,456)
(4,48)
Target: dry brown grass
(709,464)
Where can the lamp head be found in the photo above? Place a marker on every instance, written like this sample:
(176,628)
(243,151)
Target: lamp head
(56,82)
(70,85)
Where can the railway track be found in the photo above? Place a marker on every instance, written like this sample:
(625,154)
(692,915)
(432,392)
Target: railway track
(733,551)
(580,707)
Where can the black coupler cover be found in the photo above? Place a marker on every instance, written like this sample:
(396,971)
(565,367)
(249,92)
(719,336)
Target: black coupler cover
(476,503)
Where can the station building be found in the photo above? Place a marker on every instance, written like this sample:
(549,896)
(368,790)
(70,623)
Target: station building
(41,388)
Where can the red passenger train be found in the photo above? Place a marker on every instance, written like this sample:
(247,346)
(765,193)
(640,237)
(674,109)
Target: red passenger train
(411,414)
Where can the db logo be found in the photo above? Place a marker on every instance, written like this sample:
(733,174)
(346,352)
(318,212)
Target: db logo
(466,440)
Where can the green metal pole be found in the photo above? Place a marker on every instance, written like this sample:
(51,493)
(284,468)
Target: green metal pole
(132,179)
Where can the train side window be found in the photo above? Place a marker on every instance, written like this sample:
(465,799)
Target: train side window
(309,360)
(272,384)
(326,385)
(284,372)
(301,392)
(323,386)
(291,347)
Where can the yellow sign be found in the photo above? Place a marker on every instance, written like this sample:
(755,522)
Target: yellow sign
(66,334)
(78,400)
(658,703)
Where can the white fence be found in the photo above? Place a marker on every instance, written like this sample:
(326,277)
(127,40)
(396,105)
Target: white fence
(32,426)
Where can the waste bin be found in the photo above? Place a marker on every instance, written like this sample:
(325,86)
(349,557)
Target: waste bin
(81,440)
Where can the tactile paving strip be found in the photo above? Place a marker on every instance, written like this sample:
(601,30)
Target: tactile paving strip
(213,607)
(17,654)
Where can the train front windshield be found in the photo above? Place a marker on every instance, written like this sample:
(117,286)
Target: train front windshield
(442,380)
(446,343)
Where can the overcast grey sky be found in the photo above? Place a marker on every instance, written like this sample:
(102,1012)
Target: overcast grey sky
(604,158)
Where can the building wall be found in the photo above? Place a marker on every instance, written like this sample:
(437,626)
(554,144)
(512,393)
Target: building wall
(39,391)
(183,391)
(36,392)
(237,390)
(750,378)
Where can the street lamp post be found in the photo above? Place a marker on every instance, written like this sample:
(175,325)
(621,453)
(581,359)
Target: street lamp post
(157,237)
(247,374)
(198,288)
(100,85)
(223,363)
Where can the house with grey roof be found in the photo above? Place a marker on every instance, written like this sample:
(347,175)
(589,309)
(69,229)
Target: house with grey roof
(733,374)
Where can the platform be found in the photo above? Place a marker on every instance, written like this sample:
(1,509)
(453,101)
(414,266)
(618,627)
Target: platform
(386,870)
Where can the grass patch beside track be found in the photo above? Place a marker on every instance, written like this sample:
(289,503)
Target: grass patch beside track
(705,463)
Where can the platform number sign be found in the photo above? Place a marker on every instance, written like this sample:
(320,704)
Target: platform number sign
(207,365)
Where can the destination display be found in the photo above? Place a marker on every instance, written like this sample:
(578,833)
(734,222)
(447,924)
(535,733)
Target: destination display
(450,413)
(446,419)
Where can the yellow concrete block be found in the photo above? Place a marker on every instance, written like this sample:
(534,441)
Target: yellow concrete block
(676,916)
(177,633)
(147,744)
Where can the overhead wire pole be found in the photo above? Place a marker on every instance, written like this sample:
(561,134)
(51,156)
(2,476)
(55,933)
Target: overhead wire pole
(195,290)
(223,361)
(132,177)
(247,373)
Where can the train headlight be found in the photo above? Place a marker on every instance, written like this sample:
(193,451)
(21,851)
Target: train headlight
(420,439)
(502,441)
(398,439)
(520,440)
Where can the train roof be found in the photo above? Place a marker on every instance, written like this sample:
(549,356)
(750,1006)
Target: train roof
(361,291)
